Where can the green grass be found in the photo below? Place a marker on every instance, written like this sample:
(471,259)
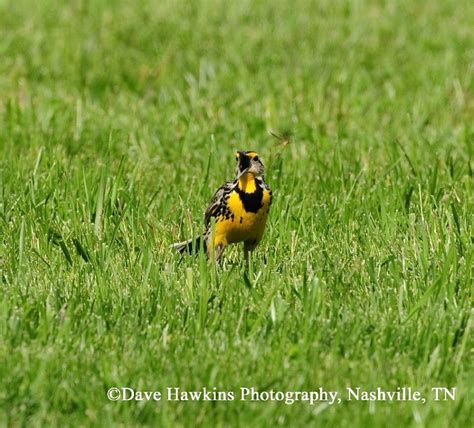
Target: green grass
(119,119)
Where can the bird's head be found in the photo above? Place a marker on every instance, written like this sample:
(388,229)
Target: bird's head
(248,162)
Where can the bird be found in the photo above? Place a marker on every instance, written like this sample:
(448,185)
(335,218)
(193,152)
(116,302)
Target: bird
(239,208)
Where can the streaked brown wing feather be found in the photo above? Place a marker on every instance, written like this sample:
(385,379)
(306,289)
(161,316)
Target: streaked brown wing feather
(216,202)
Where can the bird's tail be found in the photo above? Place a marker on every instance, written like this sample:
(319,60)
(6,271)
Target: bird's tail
(190,246)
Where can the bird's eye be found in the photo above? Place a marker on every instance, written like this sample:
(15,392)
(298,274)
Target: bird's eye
(236,158)
(255,158)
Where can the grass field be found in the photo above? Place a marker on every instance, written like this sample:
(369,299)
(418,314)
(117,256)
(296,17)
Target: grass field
(119,119)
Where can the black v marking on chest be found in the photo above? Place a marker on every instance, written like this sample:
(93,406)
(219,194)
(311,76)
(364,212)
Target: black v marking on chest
(252,202)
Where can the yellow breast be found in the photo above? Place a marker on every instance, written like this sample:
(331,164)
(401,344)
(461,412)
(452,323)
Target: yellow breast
(241,224)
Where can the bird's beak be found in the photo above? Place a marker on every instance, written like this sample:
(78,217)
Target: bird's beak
(243,172)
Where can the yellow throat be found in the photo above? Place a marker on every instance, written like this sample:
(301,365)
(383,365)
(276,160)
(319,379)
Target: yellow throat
(247,183)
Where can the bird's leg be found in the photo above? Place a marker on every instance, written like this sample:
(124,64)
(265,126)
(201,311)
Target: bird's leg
(246,257)
(219,250)
(248,247)
(215,247)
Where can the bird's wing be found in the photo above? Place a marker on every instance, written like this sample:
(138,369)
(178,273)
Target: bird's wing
(265,186)
(217,202)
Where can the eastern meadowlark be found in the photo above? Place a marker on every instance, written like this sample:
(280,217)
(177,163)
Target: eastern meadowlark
(240,209)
